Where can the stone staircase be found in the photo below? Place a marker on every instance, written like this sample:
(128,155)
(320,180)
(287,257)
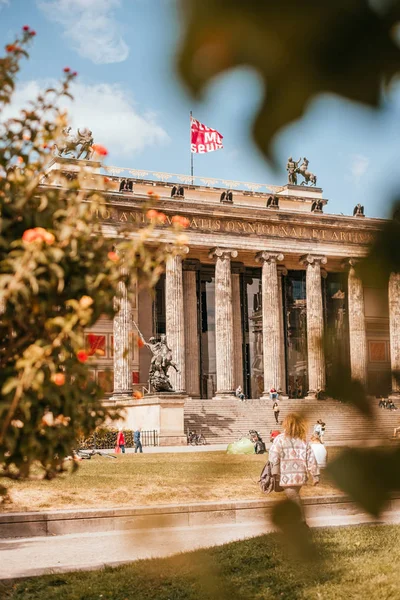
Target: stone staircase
(227,420)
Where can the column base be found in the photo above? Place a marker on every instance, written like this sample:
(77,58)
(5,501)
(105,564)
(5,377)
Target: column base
(165,439)
(394,396)
(224,395)
(121,398)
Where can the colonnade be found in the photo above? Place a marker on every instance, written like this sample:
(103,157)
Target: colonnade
(182,325)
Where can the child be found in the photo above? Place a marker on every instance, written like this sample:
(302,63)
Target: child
(121,440)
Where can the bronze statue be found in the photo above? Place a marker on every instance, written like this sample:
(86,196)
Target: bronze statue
(273,202)
(178,191)
(226,197)
(292,168)
(160,363)
(317,206)
(308,176)
(358,211)
(80,144)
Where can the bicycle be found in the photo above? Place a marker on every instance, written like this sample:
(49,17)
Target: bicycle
(87,454)
(196,439)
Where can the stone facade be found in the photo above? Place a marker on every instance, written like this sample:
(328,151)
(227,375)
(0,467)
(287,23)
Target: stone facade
(211,303)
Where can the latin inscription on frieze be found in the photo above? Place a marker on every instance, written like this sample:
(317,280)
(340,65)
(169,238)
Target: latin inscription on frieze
(251,228)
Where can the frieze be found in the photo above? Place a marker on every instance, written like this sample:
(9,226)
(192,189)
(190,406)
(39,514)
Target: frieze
(249,228)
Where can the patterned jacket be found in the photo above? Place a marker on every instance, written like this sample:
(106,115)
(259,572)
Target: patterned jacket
(293,459)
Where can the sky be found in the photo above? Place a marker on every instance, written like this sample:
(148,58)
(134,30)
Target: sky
(128,93)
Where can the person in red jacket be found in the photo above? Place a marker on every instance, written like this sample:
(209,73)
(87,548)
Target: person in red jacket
(121,441)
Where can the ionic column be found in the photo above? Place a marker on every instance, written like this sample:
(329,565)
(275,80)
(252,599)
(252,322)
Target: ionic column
(237,326)
(190,269)
(357,330)
(282,271)
(394,321)
(315,324)
(122,331)
(174,316)
(271,321)
(224,320)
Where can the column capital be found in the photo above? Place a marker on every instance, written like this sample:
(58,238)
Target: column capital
(223,253)
(282,270)
(311,259)
(347,263)
(173,250)
(266,256)
(191,264)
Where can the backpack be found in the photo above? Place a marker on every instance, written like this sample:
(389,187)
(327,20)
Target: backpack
(268,482)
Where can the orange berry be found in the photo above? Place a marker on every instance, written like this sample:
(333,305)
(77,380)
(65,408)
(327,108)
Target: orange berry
(138,395)
(113,256)
(152,214)
(100,150)
(82,356)
(58,378)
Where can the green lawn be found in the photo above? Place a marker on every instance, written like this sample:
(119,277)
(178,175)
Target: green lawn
(356,563)
(138,479)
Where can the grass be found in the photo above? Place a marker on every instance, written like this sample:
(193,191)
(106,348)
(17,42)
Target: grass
(148,479)
(355,563)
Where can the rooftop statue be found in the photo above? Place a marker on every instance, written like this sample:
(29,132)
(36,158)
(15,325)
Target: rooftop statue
(79,145)
(358,210)
(293,170)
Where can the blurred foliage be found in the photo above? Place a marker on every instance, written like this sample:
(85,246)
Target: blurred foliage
(384,256)
(59,274)
(346,47)
(368,475)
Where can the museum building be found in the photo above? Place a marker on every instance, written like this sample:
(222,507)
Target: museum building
(266,274)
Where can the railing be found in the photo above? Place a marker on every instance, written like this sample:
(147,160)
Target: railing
(125,172)
(148,438)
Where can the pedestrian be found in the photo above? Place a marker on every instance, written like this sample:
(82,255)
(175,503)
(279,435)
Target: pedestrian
(292,458)
(239,393)
(121,440)
(275,408)
(136,439)
(273,394)
(319,429)
(319,450)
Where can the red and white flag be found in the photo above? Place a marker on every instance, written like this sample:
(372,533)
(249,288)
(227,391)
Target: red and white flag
(203,138)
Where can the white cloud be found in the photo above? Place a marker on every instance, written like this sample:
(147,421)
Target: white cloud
(359,165)
(4,3)
(90,26)
(105,109)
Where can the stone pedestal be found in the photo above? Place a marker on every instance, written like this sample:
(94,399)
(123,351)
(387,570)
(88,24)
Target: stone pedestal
(315,324)
(224,321)
(271,322)
(357,330)
(122,329)
(161,412)
(394,320)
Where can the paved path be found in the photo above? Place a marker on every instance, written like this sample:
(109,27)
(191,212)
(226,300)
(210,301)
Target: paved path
(39,555)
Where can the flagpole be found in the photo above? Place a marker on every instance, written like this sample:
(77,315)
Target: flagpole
(191,153)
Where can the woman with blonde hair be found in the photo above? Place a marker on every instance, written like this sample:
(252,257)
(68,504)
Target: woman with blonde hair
(292,458)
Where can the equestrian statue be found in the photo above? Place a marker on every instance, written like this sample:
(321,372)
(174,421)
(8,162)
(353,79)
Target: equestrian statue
(79,145)
(160,362)
(294,169)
